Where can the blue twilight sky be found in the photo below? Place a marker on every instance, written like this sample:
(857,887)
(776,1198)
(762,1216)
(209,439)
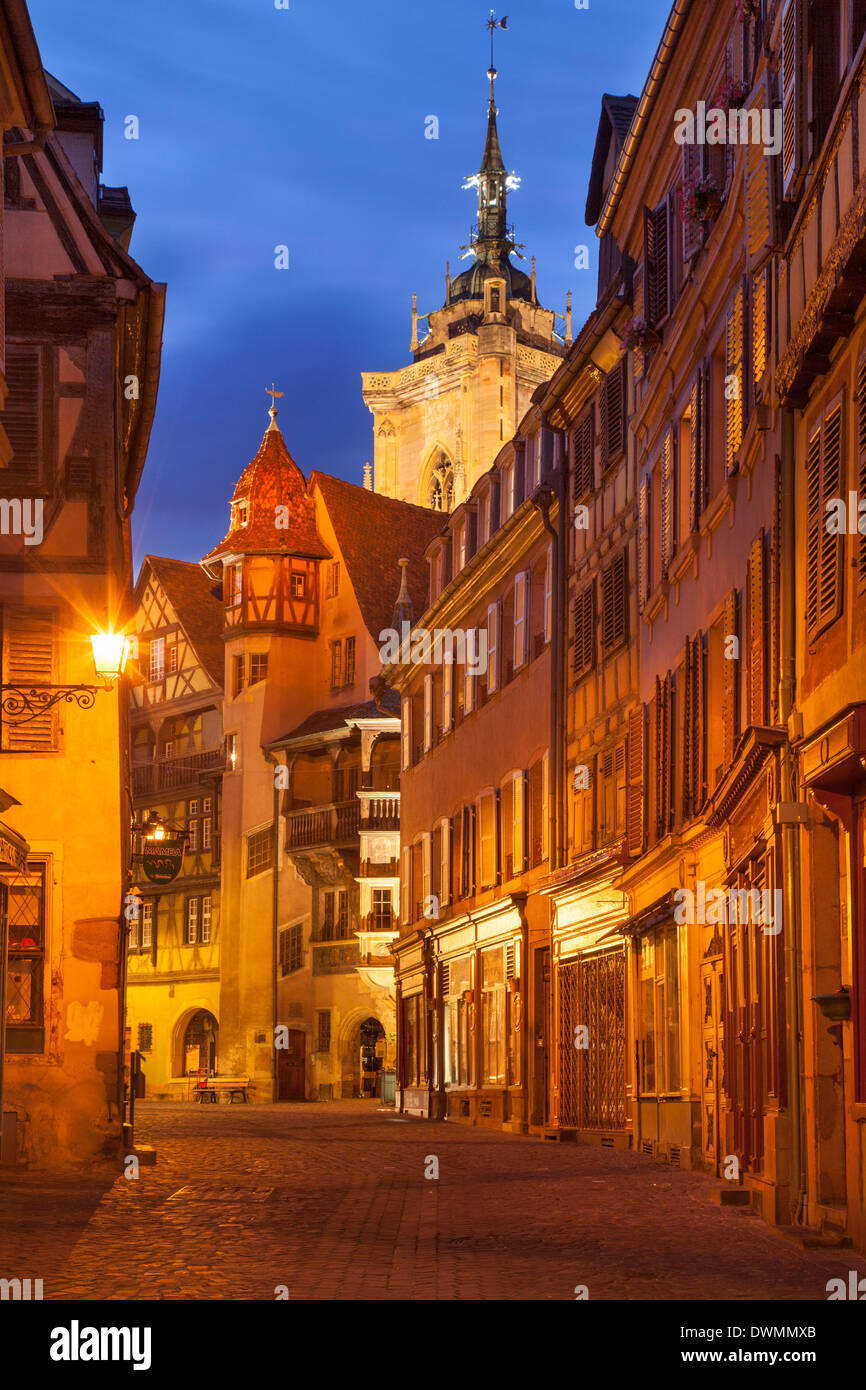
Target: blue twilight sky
(305,127)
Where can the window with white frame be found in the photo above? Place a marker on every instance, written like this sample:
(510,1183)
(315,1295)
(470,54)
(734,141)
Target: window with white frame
(405,884)
(428,713)
(518,823)
(521,619)
(147,924)
(205,917)
(448,691)
(426,867)
(192,836)
(445,863)
(206,832)
(406,733)
(157,659)
(493,624)
(468,676)
(192,918)
(234,576)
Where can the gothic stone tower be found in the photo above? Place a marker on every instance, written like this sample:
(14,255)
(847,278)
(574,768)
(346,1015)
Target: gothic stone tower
(440,422)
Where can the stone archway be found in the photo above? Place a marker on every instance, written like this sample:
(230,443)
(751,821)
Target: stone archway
(363,1047)
(196,1043)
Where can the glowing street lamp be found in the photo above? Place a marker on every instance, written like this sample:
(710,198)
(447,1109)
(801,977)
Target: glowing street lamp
(110,653)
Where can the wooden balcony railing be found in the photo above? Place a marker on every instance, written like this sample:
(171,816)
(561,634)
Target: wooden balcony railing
(382,812)
(163,774)
(323,825)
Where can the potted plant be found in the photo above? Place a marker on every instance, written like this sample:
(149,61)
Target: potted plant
(747,10)
(638,335)
(730,95)
(700,199)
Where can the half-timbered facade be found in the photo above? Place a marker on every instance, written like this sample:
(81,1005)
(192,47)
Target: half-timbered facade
(81,341)
(178,758)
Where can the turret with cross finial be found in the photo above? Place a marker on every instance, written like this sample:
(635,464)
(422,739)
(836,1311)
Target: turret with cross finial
(275,396)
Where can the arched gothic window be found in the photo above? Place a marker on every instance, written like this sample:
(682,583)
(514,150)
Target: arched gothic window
(440,488)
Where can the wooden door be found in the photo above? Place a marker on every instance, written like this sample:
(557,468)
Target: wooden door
(712,1036)
(291,1067)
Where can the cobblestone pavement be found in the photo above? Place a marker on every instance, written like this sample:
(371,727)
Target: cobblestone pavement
(332,1201)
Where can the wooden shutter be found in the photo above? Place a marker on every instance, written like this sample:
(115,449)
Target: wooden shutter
(22,413)
(659,753)
(636,804)
(734,398)
(757,633)
(28,660)
(730,682)
(697,450)
(861,465)
(638,313)
(832,546)
(793,94)
(668,501)
(656,264)
(582,457)
(758,184)
(584,631)
(688,696)
(760,325)
(693,232)
(613,404)
(643,542)
(613,603)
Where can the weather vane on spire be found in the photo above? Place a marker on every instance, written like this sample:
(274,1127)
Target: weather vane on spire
(493,24)
(274,395)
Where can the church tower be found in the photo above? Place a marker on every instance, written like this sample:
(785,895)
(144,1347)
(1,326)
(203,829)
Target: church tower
(440,421)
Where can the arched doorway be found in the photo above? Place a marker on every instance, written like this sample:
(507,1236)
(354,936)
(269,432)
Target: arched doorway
(367,1057)
(199,1045)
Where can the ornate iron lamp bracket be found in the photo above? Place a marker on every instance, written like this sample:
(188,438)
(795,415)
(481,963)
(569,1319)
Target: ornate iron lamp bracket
(21,703)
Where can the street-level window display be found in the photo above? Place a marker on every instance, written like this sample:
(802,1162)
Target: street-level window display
(413,1041)
(660,1012)
(458,1051)
(25,1030)
(493,1017)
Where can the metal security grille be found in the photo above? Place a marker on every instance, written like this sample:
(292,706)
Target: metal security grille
(592,1078)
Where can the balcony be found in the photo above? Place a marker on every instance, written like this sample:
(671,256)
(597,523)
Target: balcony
(381,810)
(316,826)
(168,774)
(336,959)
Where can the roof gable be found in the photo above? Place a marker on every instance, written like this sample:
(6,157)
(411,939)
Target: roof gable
(196,601)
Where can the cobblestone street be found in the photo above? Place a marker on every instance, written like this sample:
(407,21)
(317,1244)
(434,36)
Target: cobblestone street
(332,1201)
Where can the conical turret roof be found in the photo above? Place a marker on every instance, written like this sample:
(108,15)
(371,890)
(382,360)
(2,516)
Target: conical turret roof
(271,482)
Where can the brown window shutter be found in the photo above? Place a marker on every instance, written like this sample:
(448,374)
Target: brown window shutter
(832,546)
(536,813)
(861,465)
(656,264)
(760,323)
(582,457)
(793,95)
(643,542)
(757,634)
(688,693)
(660,755)
(668,501)
(758,188)
(693,232)
(638,313)
(696,462)
(614,603)
(734,397)
(669,751)
(584,632)
(699,723)
(613,404)
(730,683)
(636,805)
(22,413)
(28,660)
(814,527)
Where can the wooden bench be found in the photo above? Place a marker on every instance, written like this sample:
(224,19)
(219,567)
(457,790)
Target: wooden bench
(215,1086)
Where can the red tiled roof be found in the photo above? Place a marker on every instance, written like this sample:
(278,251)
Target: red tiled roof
(195,598)
(273,480)
(324,720)
(374,533)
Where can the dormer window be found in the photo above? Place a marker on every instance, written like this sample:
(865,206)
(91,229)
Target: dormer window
(241,514)
(495,296)
(483,519)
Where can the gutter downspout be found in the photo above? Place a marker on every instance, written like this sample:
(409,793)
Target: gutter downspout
(273,759)
(790,835)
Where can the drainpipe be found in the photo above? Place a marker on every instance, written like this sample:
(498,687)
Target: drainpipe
(790,837)
(273,759)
